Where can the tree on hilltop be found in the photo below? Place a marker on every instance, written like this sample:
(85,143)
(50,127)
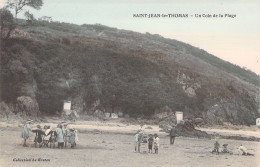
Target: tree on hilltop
(18,5)
(7,24)
(29,17)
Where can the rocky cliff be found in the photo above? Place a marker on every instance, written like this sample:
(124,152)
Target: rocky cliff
(99,67)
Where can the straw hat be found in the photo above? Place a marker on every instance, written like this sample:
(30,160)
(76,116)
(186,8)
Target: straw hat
(72,129)
(38,126)
(53,129)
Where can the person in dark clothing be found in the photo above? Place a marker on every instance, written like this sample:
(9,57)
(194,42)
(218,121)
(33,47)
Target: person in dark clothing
(172,134)
(38,137)
(53,136)
(216,147)
(150,143)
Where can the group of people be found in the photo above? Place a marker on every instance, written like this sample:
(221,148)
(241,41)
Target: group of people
(153,140)
(49,136)
(63,134)
(241,149)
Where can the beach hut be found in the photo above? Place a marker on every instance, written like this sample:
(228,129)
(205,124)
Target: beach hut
(258,122)
(114,116)
(179,116)
(67,107)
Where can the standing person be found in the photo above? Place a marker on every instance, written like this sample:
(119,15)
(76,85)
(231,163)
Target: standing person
(137,143)
(156,143)
(60,139)
(216,147)
(150,143)
(76,137)
(172,134)
(66,134)
(72,137)
(38,136)
(53,137)
(46,137)
(25,133)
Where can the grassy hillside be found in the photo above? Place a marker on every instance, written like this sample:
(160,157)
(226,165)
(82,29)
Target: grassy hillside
(225,66)
(131,72)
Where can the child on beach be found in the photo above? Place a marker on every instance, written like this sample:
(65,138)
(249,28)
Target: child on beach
(150,143)
(26,130)
(53,136)
(156,143)
(216,147)
(38,136)
(72,137)
(225,149)
(243,150)
(60,135)
(138,138)
(46,137)
(66,134)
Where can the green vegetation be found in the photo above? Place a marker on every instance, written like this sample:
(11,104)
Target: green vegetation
(59,61)
(19,5)
(6,23)
(127,77)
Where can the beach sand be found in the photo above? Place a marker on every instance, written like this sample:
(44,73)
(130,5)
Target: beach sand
(97,148)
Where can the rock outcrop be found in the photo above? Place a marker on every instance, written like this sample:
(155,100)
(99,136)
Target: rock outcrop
(28,106)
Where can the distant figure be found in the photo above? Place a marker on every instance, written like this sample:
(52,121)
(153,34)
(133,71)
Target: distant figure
(150,143)
(243,150)
(25,133)
(216,147)
(60,139)
(137,141)
(172,134)
(156,143)
(225,149)
(72,137)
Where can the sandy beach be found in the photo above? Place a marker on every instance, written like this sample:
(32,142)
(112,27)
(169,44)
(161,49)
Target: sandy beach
(101,146)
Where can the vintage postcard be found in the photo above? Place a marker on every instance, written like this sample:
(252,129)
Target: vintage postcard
(104,83)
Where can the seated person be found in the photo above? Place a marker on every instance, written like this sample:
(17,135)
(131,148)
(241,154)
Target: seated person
(225,149)
(243,150)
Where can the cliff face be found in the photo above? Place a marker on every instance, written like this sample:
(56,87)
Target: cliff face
(124,71)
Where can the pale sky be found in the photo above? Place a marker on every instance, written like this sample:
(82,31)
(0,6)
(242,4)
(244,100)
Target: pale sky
(236,40)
